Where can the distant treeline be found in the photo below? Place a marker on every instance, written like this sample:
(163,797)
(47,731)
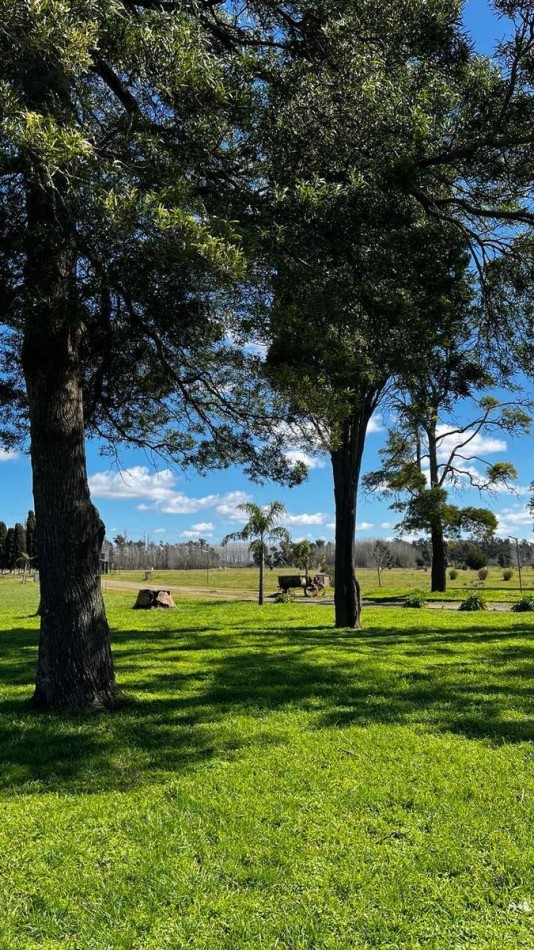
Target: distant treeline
(18,551)
(18,545)
(125,554)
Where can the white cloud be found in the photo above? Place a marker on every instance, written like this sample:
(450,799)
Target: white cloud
(317,518)
(479,445)
(331,526)
(387,525)
(160,531)
(515,521)
(195,535)
(311,461)
(159,489)
(8,455)
(228,508)
(364,525)
(180,504)
(376,424)
(136,482)
(203,526)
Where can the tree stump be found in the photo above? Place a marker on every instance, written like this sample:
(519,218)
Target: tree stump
(148,599)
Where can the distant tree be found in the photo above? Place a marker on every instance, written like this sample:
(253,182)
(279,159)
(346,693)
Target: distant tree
(382,558)
(31,539)
(10,555)
(475,558)
(19,543)
(280,555)
(261,527)
(303,555)
(424,552)
(424,459)
(3,536)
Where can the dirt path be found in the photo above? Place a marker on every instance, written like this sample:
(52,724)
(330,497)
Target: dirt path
(250,596)
(214,593)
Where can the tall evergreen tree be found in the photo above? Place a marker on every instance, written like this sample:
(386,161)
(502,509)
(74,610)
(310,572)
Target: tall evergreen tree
(122,137)
(3,536)
(10,550)
(395,144)
(19,543)
(31,539)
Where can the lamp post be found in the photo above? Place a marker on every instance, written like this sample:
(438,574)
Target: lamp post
(518,560)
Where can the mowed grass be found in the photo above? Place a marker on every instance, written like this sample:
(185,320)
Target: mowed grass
(396,582)
(267,781)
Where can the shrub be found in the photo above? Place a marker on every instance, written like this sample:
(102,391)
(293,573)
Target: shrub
(475,558)
(483,573)
(283,597)
(507,574)
(453,574)
(526,603)
(416,599)
(473,602)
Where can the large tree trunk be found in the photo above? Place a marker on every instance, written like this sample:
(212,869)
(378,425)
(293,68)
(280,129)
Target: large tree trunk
(74,666)
(346,464)
(262,571)
(439,560)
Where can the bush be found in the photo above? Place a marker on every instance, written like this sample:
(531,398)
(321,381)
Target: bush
(473,602)
(475,558)
(524,605)
(507,574)
(483,573)
(416,599)
(453,574)
(283,597)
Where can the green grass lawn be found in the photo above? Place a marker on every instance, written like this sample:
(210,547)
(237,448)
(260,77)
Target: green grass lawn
(267,781)
(395,583)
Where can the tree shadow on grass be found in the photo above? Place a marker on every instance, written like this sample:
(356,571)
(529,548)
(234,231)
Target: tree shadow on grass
(183,686)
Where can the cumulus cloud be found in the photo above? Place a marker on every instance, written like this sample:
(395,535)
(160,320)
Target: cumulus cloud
(180,504)
(8,455)
(203,526)
(194,535)
(376,424)
(160,531)
(317,518)
(228,507)
(479,445)
(311,461)
(136,482)
(159,493)
(514,521)
(364,525)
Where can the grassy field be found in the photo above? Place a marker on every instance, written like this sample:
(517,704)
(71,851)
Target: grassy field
(267,781)
(395,583)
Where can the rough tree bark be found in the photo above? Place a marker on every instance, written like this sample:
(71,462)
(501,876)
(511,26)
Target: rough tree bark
(438,581)
(346,466)
(262,571)
(75,667)
(439,559)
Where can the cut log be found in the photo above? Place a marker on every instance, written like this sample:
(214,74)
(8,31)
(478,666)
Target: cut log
(147,599)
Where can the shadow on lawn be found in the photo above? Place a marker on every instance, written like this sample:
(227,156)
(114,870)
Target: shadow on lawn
(184,684)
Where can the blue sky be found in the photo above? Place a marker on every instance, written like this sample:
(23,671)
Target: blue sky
(170,507)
